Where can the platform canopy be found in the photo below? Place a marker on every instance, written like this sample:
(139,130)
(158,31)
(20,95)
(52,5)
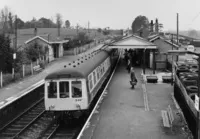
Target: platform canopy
(132,42)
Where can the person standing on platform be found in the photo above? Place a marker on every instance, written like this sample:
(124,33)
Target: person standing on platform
(128,65)
(132,75)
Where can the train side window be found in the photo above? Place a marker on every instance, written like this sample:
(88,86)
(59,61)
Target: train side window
(94,76)
(108,62)
(52,90)
(76,89)
(103,69)
(64,89)
(97,71)
(105,64)
(90,82)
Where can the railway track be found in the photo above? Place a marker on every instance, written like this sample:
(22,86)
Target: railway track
(74,130)
(61,132)
(18,127)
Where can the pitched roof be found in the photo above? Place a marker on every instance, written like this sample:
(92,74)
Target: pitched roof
(133,41)
(45,39)
(163,39)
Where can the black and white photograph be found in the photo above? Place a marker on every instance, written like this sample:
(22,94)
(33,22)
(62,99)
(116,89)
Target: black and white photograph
(99,69)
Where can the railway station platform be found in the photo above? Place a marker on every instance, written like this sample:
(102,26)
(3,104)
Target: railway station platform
(15,90)
(125,113)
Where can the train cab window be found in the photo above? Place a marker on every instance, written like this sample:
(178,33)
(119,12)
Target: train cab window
(52,90)
(94,76)
(64,89)
(76,89)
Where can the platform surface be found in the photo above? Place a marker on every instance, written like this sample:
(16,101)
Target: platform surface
(14,90)
(124,113)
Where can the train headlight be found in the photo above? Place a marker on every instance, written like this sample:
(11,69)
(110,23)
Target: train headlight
(51,107)
(78,106)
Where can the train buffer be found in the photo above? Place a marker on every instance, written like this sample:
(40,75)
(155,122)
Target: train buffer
(167,117)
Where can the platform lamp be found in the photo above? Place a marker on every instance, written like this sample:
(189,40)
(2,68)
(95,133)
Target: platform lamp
(183,52)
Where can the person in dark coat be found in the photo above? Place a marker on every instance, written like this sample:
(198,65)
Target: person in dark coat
(132,75)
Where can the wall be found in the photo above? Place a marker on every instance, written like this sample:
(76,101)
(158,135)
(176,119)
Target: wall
(61,50)
(163,47)
(42,43)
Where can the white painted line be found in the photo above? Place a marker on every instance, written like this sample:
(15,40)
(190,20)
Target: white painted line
(1,103)
(146,104)
(10,98)
(86,123)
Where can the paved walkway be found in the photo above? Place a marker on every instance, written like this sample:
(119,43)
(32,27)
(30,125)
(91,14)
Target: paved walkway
(14,90)
(133,114)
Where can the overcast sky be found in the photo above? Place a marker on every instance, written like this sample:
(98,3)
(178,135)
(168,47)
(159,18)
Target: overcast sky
(115,14)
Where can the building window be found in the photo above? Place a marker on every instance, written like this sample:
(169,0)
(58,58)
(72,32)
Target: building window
(76,89)
(64,89)
(52,90)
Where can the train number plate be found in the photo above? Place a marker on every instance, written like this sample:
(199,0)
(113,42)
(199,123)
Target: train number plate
(78,100)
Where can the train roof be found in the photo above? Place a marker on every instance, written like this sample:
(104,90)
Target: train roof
(81,67)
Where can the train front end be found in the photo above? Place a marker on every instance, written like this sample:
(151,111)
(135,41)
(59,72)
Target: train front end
(65,95)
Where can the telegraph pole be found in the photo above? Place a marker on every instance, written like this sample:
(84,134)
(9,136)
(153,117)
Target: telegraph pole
(15,48)
(88,29)
(177,29)
(77,29)
(88,26)
(177,33)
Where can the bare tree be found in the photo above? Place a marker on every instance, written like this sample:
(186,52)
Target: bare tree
(10,22)
(4,19)
(59,22)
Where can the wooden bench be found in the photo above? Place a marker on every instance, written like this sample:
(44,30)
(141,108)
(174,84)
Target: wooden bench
(37,68)
(167,117)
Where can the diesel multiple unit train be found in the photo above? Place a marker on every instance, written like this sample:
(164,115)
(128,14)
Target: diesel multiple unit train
(71,90)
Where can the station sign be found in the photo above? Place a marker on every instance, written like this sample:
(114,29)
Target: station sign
(190,48)
(196,102)
(14,56)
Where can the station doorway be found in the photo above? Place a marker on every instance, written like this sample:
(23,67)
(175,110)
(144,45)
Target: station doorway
(140,51)
(136,57)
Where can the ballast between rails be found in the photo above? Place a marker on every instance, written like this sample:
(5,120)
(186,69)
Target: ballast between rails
(26,91)
(90,116)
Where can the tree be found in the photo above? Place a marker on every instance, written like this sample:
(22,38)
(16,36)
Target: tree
(82,37)
(67,24)
(193,33)
(20,23)
(45,23)
(6,53)
(34,51)
(99,30)
(140,25)
(58,22)
(105,31)
(4,19)
(10,22)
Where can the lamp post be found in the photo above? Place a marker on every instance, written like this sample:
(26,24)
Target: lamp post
(179,52)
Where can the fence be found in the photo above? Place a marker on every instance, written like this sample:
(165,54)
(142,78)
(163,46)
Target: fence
(28,68)
(25,70)
(78,50)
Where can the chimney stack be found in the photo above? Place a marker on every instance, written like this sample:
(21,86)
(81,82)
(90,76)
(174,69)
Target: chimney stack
(151,26)
(156,26)
(35,31)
